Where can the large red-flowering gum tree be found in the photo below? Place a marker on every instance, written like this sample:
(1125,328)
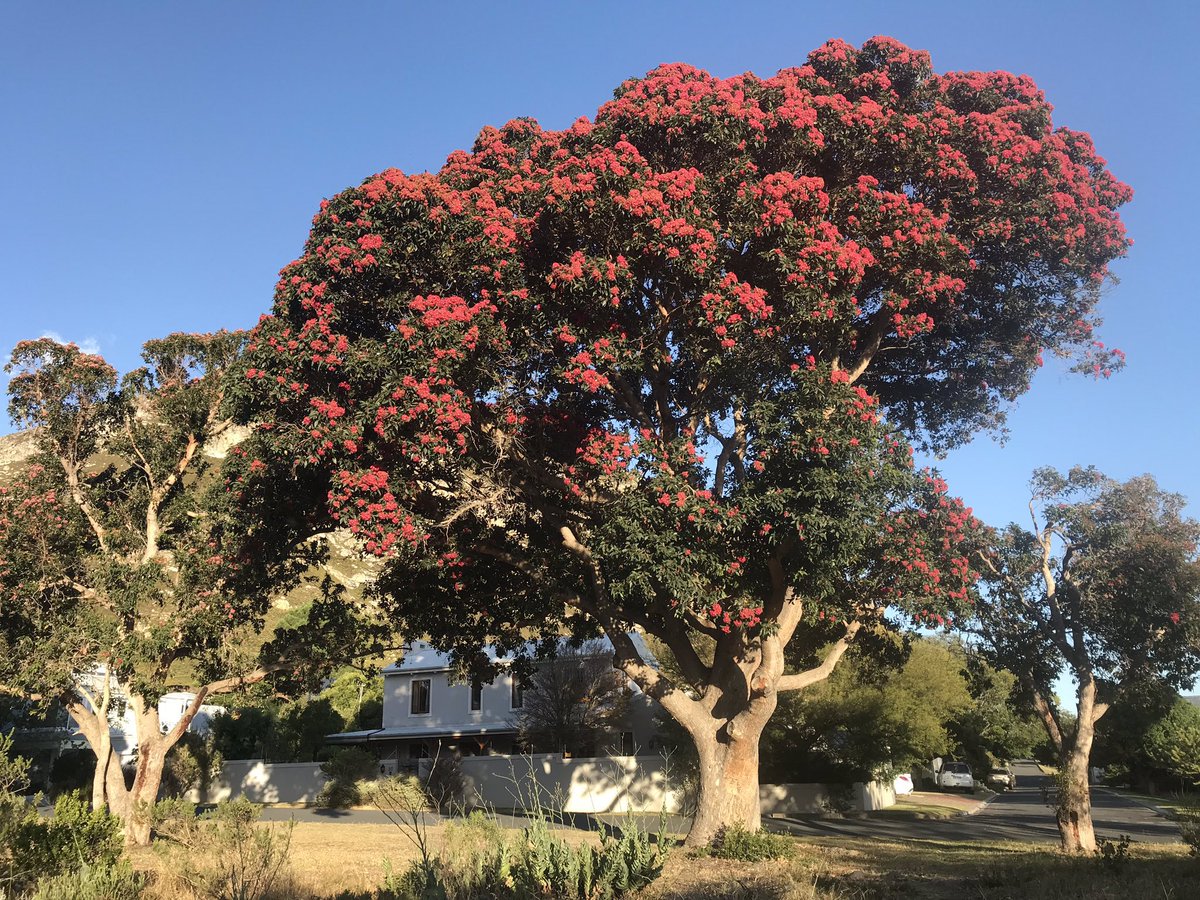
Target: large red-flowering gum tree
(131,564)
(662,369)
(1103,583)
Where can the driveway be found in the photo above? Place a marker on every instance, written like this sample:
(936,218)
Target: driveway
(1018,815)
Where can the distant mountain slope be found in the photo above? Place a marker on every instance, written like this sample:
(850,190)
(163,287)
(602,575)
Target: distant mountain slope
(15,449)
(1195,701)
(347,564)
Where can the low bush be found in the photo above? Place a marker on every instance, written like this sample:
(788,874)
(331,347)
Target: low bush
(72,771)
(396,792)
(105,881)
(343,771)
(224,854)
(445,784)
(191,763)
(740,843)
(479,860)
(33,847)
(1189,827)
(1114,854)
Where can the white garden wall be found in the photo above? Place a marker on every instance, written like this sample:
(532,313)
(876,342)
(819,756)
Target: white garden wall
(262,782)
(609,784)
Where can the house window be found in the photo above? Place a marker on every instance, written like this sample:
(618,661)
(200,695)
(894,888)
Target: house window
(420,697)
(628,748)
(518,693)
(476,696)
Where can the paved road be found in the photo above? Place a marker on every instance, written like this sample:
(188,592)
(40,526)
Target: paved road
(1018,815)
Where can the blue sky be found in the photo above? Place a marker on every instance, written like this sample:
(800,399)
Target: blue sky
(161,162)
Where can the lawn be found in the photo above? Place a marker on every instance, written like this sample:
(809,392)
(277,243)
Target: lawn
(908,809)
(1174,805)
(328,858)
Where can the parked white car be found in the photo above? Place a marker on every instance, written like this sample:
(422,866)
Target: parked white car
(903,784)
(956,776)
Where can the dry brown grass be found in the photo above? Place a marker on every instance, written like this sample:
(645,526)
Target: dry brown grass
(328,858)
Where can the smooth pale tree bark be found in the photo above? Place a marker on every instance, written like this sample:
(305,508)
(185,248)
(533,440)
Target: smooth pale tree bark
(726,708)
(1073,810)
(133,802)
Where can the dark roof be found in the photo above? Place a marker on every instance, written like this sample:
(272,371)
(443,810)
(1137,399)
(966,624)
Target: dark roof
(399,734)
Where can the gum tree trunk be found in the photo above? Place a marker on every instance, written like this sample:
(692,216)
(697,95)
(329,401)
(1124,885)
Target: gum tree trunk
(729,792)
(726,706)
(1074,811)
(133,804)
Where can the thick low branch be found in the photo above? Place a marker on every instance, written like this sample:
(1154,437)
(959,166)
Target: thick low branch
(75,489)
(653,683)
(1045,712)
(685,654)
(799,680)
(870,342)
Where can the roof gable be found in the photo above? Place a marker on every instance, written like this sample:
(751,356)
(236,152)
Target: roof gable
(422,656)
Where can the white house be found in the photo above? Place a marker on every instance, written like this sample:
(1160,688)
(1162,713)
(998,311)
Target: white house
(424,710)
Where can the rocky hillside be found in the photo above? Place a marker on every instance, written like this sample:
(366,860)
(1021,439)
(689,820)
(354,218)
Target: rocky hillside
(15,449)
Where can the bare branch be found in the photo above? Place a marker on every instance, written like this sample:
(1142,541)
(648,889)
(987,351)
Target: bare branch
(870,342)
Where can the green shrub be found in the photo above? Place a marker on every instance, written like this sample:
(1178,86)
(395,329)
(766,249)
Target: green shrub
(740,843)
(191,763)
(445,784)
(479,860)
(396,792)
(72,771)
(104,881)
(32,847)
(1189,827)
(343,771)
(224,854)
(1114,854)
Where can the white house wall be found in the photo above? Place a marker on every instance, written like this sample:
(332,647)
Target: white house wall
(449,704)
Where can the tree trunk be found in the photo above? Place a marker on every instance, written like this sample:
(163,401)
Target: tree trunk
(728,787)
(133,804)
(153,747)
(1074,794)
(104,755)
(1075,804)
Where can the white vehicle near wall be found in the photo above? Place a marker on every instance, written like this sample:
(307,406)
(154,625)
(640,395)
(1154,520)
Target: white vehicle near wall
(956,776)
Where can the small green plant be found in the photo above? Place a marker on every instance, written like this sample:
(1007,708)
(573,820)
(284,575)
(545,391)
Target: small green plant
(1189,828)
(191,764)
(224,854)
(104,881)
(740,843)
(1114,854)
(481,861)
(445,784)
